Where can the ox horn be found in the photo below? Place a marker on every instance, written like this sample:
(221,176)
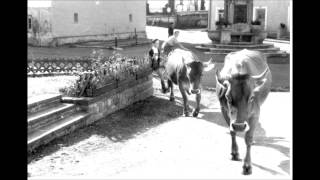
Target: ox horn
(263,74)
(220,89)
(227,84)
(209,65)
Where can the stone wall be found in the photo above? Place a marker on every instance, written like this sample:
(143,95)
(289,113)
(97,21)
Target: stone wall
(57,41)
(115,99)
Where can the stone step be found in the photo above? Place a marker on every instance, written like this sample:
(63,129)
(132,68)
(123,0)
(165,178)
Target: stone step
(41,102)
(273,58)
(50,115)
(62,127)
(241,43)
(279,53)
(266,50)
(231,46)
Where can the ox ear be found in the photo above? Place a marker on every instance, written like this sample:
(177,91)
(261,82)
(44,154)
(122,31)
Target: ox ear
(220,89)
(208,65)
(188,69)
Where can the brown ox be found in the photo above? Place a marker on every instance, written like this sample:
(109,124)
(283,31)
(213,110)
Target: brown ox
(242,86)
(185,70)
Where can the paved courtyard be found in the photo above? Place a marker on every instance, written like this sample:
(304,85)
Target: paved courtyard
(152,140)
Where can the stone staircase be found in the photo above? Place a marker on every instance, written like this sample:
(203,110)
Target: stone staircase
(219,51)
(49,118)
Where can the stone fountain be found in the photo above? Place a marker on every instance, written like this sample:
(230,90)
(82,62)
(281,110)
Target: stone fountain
(237,32)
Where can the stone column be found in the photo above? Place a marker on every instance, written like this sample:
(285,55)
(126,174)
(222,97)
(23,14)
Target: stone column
(226,10)
(231,12)
(249,11)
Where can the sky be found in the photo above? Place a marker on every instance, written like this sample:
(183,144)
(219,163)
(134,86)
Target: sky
(157,5)
(35,3)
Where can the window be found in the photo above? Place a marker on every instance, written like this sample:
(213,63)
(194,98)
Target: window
(130,17)
(29,22)
(260,14)
(219,14)
(75,18)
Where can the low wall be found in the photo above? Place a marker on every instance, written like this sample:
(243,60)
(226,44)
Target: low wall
(57,41)
(56,65)
(125,93)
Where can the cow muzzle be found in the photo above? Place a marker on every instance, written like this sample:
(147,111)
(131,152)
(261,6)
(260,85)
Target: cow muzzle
(239,127)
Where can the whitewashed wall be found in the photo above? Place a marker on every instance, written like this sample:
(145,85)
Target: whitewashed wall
(93,19)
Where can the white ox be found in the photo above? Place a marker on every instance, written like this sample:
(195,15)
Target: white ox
(242,86)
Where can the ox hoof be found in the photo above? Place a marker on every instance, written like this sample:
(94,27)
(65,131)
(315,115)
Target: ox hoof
(235,157)
(195,113)
(247,170)
(171,98)
(186,114)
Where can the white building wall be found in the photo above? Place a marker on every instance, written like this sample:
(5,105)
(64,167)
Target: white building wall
(215,5)
(96,19)
(277,12)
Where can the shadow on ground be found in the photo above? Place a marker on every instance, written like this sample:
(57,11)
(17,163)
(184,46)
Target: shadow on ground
(119,126)
(260,138)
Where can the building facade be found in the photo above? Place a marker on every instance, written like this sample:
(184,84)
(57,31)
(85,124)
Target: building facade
(271,13)
(77,21)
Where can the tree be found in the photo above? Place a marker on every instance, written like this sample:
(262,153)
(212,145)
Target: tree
(196,5)
(171,5)
(202,7)
(35,27)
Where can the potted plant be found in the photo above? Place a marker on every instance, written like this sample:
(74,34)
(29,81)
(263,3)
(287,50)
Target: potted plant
(227,24)
(214,35)
(219,24)
(256,26)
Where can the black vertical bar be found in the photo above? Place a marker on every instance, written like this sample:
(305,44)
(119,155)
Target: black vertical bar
(136,36)
(116,42)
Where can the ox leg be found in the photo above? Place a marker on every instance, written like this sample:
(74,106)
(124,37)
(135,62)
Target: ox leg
(185,100)
(247,168)
(234,147)
(163,85)
(197,109)
(170,85)
(160,73)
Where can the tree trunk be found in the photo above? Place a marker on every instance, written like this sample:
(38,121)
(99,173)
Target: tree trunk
(202,5)
(196,5)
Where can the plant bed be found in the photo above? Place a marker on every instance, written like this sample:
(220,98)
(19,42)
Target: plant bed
(108,73)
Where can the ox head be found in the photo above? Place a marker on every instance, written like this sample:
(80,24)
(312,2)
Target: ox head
(194,74)
(237,95)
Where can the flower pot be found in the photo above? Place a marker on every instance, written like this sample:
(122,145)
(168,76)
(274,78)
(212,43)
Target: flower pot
(259,37)
(214,35)
(225,36)
(255,29)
